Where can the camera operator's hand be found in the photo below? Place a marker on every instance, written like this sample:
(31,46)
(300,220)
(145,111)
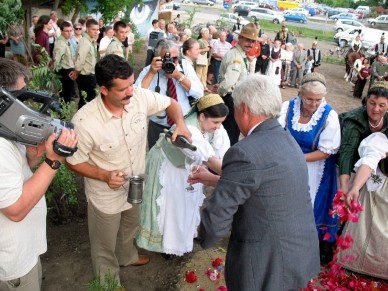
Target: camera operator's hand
(115,179)
(174,75)
(67,138)
(156,64)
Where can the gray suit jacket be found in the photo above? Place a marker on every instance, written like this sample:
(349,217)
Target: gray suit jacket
(300,57)
(263,196)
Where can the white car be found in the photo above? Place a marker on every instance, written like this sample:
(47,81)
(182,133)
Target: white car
(345,24)
(246,3)
(382,20)
(298,10)
(264,13)
(230,18)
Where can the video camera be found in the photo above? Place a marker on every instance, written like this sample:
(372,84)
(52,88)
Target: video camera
(20,123)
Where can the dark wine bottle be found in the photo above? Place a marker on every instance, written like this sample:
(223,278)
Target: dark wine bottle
(181,142)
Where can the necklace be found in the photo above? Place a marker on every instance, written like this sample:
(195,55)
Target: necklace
(377,125)
(304,114)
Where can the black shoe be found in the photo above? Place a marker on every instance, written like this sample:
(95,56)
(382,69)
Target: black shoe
(326,252)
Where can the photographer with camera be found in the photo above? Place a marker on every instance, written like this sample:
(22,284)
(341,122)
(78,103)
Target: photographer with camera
(169,76)
(22,203)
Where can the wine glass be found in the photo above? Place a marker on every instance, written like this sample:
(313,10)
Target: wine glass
(192,164)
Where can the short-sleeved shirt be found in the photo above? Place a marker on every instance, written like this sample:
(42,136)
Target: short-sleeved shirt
(113,143)
(221,48)
(21,242)
(234,67)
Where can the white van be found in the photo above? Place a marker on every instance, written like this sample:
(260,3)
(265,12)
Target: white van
(369,36)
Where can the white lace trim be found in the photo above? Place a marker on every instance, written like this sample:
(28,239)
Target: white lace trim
(313,121)
(161,200)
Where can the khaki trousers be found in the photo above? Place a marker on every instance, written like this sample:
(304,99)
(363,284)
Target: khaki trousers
(112,240)
(32,281)
(202,74)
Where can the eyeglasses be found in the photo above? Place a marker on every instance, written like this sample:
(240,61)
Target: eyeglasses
(312,101)
(175,59)
(78,28)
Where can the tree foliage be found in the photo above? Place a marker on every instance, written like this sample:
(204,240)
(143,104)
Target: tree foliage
(11,11)
(110,9)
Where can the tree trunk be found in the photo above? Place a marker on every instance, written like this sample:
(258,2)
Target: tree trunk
(75,14)
(55,5)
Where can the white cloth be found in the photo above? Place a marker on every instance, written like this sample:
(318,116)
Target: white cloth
(371,150)
(179,214)
(196,89)
(329,139)
(105,41)
(21,242)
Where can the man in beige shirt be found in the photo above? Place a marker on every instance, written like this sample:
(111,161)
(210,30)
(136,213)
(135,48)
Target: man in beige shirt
(113,129)
(235,67)
(85,63)
(116,45)
(63,61)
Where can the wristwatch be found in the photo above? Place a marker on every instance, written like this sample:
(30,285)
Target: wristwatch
(53,164)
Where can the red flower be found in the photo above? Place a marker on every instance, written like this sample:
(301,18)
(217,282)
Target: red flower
(327,236)
(216,262)
(201,289)
(222,288)
(191,277)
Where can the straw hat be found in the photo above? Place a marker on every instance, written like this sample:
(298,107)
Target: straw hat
(249,31)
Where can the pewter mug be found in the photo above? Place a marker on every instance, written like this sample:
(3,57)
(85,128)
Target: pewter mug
(135,193)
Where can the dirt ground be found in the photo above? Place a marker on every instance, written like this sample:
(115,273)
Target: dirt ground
(67,263)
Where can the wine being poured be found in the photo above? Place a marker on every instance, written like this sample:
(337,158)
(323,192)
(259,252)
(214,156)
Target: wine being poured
(192,164)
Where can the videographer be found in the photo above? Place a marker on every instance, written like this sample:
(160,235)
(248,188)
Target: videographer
(169,76)
(22,203)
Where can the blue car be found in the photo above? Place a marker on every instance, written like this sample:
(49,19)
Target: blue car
(344,16)
(295,17)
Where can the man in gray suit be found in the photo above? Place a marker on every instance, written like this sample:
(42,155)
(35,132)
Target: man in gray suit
(300,57)
(263,195)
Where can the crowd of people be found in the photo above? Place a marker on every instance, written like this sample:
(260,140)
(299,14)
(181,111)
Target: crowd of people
(275,209)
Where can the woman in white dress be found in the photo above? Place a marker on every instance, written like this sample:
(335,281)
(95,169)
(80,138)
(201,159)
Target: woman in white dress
(370,233)
(170,210)
(275,63)
(315,126)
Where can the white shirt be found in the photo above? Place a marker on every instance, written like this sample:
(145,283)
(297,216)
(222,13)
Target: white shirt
(196,89)
(105,41)
(21,242)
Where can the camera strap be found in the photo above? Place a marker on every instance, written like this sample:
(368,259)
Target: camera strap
(63,150)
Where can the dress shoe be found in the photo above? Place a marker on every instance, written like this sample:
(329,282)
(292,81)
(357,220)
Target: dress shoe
(143,260)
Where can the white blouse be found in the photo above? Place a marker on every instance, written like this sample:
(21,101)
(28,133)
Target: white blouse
(330,137)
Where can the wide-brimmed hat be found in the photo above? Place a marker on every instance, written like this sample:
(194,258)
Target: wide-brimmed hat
(249,31)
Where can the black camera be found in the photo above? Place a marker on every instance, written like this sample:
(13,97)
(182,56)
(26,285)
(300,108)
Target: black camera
(168,64)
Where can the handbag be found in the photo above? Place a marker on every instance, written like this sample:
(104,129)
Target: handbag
(202,59)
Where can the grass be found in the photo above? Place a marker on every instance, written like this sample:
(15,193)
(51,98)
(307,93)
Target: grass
(299,31)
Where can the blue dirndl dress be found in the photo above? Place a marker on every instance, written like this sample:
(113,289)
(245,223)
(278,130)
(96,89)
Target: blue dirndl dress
(308,141)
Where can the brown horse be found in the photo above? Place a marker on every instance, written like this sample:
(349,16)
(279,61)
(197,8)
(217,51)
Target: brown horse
(349,61)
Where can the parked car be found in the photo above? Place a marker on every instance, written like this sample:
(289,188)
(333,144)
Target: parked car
(331,12)
(242,10)
(230,18)
(345,24)
(203,2)
(246,3)
(267,14)
(344,16)
(186,1)
(297,10)
(264,5)
(175,6)
(295,17)
(382,20)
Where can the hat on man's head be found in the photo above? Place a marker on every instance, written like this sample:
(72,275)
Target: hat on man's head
(314,77)
(379,84)
(249,31)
